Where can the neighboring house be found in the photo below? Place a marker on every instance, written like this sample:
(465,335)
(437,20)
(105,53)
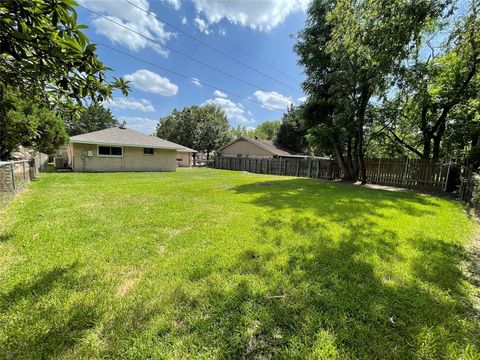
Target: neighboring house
(256,148)
(185,157)
(121,149)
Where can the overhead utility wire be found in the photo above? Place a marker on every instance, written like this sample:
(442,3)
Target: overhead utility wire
(183,54)
(210,46)
(184,76)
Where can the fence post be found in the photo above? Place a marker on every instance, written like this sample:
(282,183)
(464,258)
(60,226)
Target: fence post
(310,168)
(378,170)
(298,168)
(13,177)
(405,173)
(446,178)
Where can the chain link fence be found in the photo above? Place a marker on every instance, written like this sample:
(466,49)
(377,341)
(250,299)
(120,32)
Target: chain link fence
(15,175)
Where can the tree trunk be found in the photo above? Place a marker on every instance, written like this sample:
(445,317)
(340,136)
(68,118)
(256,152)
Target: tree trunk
(365,97)
(347,175)
(208,155)
(427,145)
(437,141)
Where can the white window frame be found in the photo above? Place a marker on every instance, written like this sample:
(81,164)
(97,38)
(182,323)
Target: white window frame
(110,146)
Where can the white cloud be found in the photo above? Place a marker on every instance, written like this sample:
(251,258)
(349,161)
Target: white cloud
(218,93)
(196,82)
(131,17)
(176,4)
(142,124)
(184,20)
(222,31)
(130,104)
(273,100)
(234,111)
(149,81)
(262,15)
(202,25)
(302,99)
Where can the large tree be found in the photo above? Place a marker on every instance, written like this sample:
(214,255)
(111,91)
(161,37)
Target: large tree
(92,118)
(438,90)
(292,132)
(349,50)
(266,130)
(43,52)
(204,128)
(30,124)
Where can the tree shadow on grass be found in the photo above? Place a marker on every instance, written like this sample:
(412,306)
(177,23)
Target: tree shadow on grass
(325,299)
(45,327)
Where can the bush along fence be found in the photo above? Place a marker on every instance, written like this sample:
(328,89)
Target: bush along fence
(15,175)
(424,175)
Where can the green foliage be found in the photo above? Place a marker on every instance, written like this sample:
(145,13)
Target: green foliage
(43,52)
(203,128)
(266,131)
(29,124)
(209,264)
(349,51)
(94,117)
(292,133)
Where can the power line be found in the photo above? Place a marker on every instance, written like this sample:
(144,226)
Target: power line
(184,76)
(256,58)
(182,53)
(210,46)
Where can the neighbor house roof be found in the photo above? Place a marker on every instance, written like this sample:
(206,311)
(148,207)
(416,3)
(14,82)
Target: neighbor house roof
(267,145)
(124,137)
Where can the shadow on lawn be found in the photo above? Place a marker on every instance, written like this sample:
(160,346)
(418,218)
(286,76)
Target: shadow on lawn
(63,326)
(326,298)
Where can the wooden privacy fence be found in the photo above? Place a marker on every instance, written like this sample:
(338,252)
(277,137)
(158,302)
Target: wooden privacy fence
(313,168)
(416,174)
(468,183)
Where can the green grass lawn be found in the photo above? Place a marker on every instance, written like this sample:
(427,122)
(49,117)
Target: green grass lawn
(210,263)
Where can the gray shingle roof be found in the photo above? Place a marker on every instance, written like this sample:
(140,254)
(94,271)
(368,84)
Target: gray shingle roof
(270,146)
(124,137)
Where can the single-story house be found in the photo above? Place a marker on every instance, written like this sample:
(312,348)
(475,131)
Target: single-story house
(121,149)
(256,147)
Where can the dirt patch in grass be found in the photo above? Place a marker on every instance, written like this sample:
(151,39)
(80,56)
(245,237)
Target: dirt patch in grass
(127,285)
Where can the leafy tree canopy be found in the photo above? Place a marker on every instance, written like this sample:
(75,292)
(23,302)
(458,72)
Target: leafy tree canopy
(203,128)
(43,51)
(31,125)
(292,132)
(93,118)
(349,51)
(266,130)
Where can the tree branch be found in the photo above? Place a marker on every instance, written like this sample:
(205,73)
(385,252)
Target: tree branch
(405,144)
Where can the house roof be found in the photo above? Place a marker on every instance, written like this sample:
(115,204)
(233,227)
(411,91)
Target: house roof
(269,146)
(124,137)
(187,150)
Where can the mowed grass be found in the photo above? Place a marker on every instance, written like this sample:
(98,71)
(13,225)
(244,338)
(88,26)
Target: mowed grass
(209,263)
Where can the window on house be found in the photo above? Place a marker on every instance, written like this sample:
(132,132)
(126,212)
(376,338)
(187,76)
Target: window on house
(110,151)
(147,151)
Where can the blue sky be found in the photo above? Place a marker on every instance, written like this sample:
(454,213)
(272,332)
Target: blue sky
(260,28)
